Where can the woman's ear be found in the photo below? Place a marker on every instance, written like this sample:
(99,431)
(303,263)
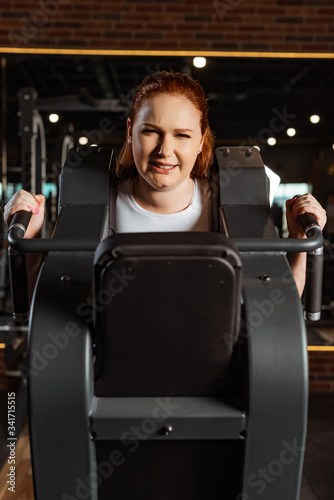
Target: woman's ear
(129,127)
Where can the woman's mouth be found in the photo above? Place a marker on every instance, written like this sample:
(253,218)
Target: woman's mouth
(163,168)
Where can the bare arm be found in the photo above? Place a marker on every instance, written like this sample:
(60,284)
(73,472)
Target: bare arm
(294,207)
(22,200)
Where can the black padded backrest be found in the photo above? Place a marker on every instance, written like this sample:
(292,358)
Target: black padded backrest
(167,309)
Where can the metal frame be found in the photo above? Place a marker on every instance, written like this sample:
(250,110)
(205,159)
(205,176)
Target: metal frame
(273,329)
(32,132)
(65,417)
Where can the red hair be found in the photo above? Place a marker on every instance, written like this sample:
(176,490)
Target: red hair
(170,82)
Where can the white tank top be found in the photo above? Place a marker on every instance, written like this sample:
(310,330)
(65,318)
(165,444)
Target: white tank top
(132,218)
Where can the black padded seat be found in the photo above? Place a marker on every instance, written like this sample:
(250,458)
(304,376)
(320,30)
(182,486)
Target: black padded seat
(167,308)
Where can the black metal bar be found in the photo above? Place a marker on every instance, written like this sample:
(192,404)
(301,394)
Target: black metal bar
(19,285)
(243,244)
(4,166)
(280,245)
(20,221)
(313,286)
(51,245)
(314,271)
(17,268)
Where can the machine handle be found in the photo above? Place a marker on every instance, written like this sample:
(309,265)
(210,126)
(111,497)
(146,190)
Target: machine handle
(312,245)
(17,241)
(314,271)
(17,268)
(308,222)
(20,222)
(314,241)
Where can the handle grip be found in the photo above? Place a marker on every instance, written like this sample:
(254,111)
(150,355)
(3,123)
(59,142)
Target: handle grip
(314,271)
(313,287)
(17,268)
(20,221)
(308,222)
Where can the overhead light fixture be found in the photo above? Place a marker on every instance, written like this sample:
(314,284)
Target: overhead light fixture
(291,132)
(83,140)
(53,118)
(199,62)
(314,118)
(271,141)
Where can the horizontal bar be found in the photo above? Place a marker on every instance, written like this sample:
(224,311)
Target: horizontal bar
(177,53)
(16,241)
(244,244)
(160,418)
(14,328)
(320,348)
(314,241)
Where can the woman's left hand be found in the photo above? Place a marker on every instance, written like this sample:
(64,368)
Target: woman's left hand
(299,205)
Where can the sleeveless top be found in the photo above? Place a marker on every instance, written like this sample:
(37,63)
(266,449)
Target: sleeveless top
(132,218)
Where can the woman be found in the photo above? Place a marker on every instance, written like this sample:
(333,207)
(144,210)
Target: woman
(169,144)
(164,164)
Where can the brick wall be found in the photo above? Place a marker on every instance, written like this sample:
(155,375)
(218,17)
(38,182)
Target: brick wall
(321,368)
(265,25)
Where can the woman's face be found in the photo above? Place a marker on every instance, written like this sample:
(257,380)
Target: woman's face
(166,139)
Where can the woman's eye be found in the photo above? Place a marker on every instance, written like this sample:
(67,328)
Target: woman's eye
(184,135)
(148,131)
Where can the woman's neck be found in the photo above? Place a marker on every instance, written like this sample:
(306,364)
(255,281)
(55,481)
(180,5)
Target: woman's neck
(170,201)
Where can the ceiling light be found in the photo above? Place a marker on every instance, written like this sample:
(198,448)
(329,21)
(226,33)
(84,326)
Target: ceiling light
(314,118)
(199,62)
(83,140)
(271,141)
(53,117)
(291,132)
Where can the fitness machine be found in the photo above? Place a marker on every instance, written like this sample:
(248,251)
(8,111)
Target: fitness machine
(167,365)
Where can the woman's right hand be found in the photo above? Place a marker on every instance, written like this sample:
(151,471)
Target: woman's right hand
(23,200)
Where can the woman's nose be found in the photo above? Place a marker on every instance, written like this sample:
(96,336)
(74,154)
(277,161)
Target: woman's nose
(165,147)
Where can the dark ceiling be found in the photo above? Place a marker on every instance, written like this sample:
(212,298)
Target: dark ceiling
(249,99)
(245,94)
